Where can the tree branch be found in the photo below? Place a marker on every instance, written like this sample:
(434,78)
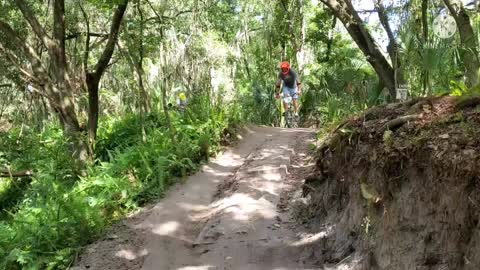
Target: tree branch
(14,60)
(59,56)
(112,39)
(158,16)
(87,42)
(393,47)
(182,12)
(9,174)
(97,43)
(13,42)
(452,8)
(384,19)
(28,14)
(367,11)
(90,34)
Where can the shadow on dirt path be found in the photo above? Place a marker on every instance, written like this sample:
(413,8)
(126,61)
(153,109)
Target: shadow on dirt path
(233,214)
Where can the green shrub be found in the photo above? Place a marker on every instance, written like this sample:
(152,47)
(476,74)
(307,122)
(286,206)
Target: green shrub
(57,213)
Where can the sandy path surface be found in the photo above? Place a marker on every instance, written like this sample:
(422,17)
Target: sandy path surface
(227,216)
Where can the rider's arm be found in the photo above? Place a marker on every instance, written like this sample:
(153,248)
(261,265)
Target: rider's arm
(277,86)
(299,85)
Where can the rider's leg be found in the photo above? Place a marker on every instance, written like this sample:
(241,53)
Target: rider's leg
(286,92)
(294,94)
(295,106)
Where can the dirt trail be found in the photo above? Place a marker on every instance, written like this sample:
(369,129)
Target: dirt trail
(228,216)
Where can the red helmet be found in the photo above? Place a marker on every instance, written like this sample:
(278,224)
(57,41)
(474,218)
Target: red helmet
(285,66)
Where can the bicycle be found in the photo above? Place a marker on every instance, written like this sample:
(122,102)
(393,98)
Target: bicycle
(290,118)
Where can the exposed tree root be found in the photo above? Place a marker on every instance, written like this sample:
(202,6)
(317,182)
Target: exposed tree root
(400,121)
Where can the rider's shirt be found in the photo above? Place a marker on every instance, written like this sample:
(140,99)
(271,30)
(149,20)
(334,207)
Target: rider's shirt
(289,79)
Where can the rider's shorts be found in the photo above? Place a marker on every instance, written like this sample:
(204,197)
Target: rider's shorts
(290,91)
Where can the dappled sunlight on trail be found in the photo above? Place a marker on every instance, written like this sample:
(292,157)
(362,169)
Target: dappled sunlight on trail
(131,254)
(242,227)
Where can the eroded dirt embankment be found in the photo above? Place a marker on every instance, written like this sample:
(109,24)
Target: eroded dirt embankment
(398,188)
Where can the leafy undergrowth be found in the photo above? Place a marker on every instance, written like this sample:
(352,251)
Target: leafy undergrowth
(47,219)
(398,188)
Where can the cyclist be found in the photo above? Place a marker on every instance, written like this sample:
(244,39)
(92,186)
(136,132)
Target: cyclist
(180,98)
(291,85)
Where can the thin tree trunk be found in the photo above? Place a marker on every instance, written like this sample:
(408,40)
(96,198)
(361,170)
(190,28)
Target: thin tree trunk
(59,38)
(393,47)
(93,107)
(93,78)
(145,99)
(138,69)
(344,11)
(86,52)
(247,68)
(164,86)
(425,73)
(290,26)
(468,41)
(301,51)
(165,107)
(142,95)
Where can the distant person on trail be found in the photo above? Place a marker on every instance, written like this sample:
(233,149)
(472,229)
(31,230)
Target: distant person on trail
(291,85)
(180,98)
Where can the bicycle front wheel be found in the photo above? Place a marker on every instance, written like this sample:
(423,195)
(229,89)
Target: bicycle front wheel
(288,119)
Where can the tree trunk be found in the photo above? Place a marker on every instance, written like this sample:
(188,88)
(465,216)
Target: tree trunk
(60,61)
(145,99)
(165,107)
(143,104)
(468,41)
(300,53)
(344,11)
(93,82)
(393,47)
(291,30)
(425,74)
(93,78)
(57,87)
